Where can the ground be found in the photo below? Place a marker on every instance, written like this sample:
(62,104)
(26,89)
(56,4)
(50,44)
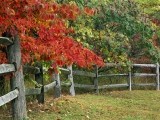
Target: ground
(111,105)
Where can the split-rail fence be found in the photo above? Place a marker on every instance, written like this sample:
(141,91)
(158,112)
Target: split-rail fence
(18,93)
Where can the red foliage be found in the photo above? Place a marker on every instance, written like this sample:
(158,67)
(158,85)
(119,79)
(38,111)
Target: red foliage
(32,18)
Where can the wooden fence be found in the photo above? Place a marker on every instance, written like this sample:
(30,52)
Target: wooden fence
(129,76)
(18,91)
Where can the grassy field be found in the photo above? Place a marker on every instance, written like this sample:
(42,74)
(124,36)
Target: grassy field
(113,105)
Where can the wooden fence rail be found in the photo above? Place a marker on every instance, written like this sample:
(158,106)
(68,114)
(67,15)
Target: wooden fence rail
(31,69)
(6,69)
(129,75)
(8,97)
(6,41)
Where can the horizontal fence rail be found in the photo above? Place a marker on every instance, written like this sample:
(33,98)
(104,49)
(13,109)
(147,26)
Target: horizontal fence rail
(84,73)
(142,75)
(84,86)
(65,71)
(144,65)
(112,86)
(31,69)
(49,86)
(112,75)
(68,84)
(134,65)
(7,68)
(32,91)
(5,41)
(8,97)
(144,84)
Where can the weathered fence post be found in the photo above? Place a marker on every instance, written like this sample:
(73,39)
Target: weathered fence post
(96,80)
(157,76)
(70,77)
(57,88)
(39,80)
(129,80)
(17,80)
(2,84)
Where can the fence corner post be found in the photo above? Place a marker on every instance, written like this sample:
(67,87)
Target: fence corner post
(70,77)
(57,88)
(17,81)
(129,79)
(157,76)
(39,80)
(96,81)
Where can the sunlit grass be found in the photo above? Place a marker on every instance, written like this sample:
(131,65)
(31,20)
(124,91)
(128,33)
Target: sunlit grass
(115,105)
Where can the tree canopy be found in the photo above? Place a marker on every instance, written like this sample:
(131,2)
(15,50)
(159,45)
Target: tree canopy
(44,33)
(119,31)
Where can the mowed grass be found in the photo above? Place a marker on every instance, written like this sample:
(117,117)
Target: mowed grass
(110,105)
(113,105)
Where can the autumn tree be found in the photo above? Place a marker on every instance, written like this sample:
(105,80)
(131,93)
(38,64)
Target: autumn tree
(44,34)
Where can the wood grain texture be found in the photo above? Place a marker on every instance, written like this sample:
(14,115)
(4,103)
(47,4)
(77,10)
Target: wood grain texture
(49,86)
(8,97)
(6,68)
(57,88)
(31,69)
(32,91)
(17,81)
(70,77)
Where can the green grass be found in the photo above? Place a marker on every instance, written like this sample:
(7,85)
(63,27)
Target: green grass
(115,105)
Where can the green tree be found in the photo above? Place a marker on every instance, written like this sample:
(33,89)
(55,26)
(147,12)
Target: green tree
(119,31)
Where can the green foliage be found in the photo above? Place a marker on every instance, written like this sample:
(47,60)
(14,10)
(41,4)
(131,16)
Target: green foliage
(152,7)
(118,31)
(31,80)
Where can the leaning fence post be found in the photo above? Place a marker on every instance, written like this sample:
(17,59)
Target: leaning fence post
(57,88)
(96,80)
(17,80)
(157,76)
(39,80)
(70,77)
(129,79)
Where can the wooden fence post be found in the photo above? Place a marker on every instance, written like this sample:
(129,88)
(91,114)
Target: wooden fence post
(70,77)
(17,81)
(129,79)
(96,80)
(157,76)
(57,88)
(2,85)
(39,80)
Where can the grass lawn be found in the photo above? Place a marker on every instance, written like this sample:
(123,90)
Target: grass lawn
(113,105)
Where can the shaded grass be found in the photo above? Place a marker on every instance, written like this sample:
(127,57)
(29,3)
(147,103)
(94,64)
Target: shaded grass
(115,105)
